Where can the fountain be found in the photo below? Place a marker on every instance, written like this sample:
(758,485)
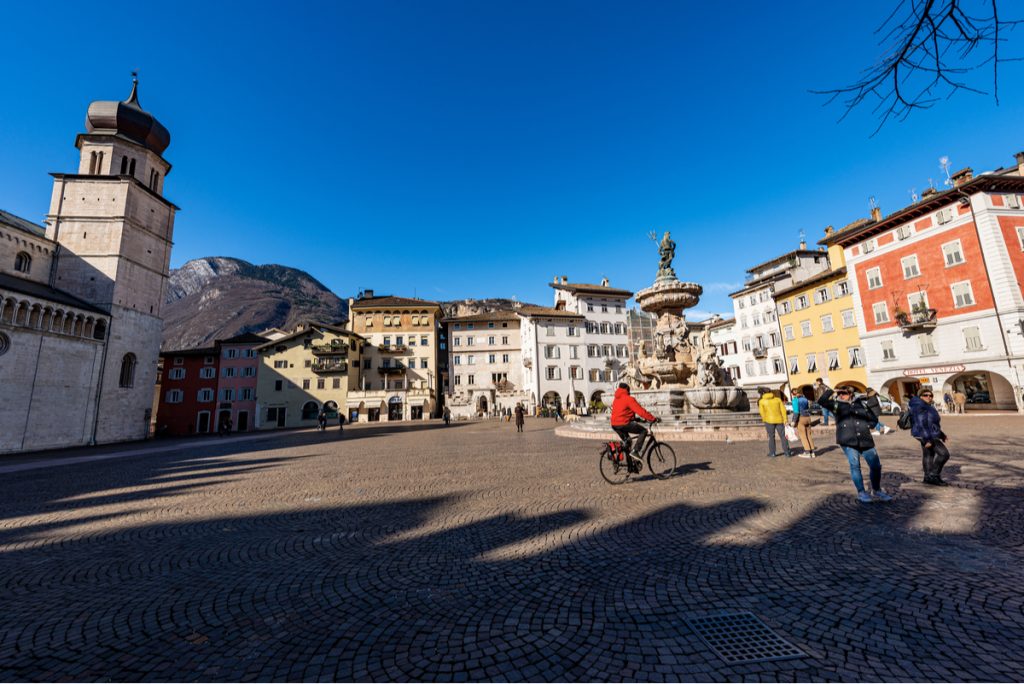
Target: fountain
(679,377)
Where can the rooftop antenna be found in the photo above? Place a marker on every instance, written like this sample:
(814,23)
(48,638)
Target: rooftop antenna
(872,202)
(931,183)
(944,165)
(913,195)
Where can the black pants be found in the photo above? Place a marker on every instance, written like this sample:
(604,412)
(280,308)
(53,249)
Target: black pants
(933,457)
(632,428)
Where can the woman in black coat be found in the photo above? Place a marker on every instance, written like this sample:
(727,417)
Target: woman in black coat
(854,421)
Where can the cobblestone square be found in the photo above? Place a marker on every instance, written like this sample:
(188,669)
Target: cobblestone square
(473,552)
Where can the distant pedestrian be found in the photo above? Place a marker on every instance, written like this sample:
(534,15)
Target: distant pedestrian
(557,413)
(803,419)
(341,422)
(853,435)
(225,426)
(321,421)
(773,415)
(520,417)
(926,427)
(874,404)
(819,389)
(960,401)
(947,399)
(447,414)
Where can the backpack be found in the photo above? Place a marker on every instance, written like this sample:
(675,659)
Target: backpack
(903,423)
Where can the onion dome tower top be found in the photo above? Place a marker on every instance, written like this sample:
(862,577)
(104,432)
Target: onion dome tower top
(127,120)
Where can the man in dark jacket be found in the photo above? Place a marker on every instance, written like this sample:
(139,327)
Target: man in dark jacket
(625,409)
(926,427)
(854,421)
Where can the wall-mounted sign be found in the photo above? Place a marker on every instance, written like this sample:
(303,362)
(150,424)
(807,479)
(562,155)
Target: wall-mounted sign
(934,370)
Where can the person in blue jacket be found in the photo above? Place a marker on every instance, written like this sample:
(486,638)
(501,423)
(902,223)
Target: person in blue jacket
(926,427)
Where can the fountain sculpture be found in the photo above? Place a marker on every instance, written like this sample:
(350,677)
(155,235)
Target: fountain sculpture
(682,373)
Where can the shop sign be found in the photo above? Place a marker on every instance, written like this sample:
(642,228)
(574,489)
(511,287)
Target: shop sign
(934,370)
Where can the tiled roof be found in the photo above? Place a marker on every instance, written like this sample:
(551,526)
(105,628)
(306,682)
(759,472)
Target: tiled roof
(590,288)
(305,331)
(198,351)
(379,302)
(245,338)
(784,257)
(500,315)
(544,311)
(34,289)
(813,280)
(18,223)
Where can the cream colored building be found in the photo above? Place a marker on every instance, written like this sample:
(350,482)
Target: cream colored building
(399,374)
(80,297)
(485,364)
(301,374)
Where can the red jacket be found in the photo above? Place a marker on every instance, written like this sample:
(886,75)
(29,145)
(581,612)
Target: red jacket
(625,408)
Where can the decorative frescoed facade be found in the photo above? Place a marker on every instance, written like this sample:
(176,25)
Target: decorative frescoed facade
(80,323)
(486,365)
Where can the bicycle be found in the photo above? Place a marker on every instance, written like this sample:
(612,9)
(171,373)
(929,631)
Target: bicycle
(617,464)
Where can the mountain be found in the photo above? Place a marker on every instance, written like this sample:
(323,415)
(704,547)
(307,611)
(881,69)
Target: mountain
(219,297)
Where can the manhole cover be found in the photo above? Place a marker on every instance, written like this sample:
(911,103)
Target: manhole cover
(742,638)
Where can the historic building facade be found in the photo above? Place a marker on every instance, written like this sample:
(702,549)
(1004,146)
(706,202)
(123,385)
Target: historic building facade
(819,328)
(306,372)
(236,389)
(80,323)
(486,364)
(605,337)
(187,401)
(553,356)
(938,291)
(400,375)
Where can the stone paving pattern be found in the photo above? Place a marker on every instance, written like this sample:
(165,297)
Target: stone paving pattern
(472,552)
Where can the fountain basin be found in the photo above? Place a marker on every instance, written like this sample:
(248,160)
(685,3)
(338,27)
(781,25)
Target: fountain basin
(714,398)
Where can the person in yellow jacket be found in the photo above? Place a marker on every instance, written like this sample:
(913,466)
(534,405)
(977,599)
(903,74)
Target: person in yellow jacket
(773,414)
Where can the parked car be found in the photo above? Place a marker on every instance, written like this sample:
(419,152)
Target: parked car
(979,398)
(889,407)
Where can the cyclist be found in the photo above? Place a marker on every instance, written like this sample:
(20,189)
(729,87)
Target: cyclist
(625,409)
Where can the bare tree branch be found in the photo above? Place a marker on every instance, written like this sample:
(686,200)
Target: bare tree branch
(932,48)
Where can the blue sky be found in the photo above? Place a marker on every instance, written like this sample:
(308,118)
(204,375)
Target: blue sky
(476,149)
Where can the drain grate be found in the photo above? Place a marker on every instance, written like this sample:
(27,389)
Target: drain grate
(742,638)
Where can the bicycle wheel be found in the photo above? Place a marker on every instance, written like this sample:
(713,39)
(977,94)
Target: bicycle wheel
(661,459)
(613,471)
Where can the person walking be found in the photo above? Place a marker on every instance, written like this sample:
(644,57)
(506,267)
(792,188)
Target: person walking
(557,413)
(853,435)
(773,415)
(947,399)
(341,423)
(447,415)
(321,421)
(819,389)
(875,406)
(803,422)
(960,400)
(520,417)
(926,427)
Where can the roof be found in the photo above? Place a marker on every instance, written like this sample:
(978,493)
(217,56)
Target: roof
(784,257)
(813,280)
(499,315)
(34,289)
(385,301)
(985,183)
(198,351)
(306,330)
(758,283)
(723,323)
(245,338)
(587,288)
(18,223)
(545,311)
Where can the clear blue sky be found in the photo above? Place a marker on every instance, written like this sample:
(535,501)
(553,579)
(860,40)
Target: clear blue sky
(454,149)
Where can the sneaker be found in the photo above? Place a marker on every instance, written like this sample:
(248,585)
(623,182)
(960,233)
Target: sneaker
(805,454)
(875,433)
(771,455)
(882,496)
(813,455)
(887,430)
(863,497)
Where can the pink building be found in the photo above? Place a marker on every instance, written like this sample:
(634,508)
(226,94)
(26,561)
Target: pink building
(236,388)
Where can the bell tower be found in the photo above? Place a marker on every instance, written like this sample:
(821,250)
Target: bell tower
(113,228)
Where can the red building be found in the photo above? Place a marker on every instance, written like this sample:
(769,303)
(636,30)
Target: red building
(187,404)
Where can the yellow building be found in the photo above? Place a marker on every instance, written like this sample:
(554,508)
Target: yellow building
(305,372)
(819,328)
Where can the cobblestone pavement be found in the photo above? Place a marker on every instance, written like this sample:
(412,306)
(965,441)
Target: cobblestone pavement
(473,552)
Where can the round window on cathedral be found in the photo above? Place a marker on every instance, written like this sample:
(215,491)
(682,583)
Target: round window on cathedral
(5,344)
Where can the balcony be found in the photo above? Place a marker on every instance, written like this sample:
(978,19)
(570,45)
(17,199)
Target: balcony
(759,352)
(335,348)
(393,348)
(919,320)
(330,366)
(391,370)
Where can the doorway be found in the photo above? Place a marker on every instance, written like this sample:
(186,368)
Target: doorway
(203,422)
(394,409)
(243,421)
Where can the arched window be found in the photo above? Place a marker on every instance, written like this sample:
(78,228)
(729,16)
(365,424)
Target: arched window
(100,331)
(131,168)
(23,262)
(92,162)
(127,378)
(124,165)
(310,410)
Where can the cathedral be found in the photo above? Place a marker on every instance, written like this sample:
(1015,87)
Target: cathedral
(80,295)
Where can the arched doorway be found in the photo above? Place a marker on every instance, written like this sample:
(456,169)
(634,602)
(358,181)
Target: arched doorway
(859,386)
(310,410)
(481,405)
(984,390)
(901,389)
(331,409)
(395,408)
(579,400)
(551,400)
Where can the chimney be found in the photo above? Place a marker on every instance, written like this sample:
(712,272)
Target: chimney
(604,282)
(928,193)
(876,214)
(829,230)
(555,280)
(368,294)
(803,243)
(1020,163)
(962,176)
(565,280)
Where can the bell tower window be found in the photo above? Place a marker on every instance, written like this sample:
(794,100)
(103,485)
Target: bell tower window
(124,165)
(131,168)
(127,378)
(23,263)
(92,162)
